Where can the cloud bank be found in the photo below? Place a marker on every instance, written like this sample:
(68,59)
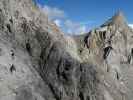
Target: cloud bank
(53,13)
(59,17)
(130,25)
(74,27)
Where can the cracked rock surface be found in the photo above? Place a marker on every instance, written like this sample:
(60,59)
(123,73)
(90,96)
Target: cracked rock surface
(38,62)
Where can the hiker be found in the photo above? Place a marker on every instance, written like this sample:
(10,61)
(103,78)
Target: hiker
(118,75)
(129,59)
(12,54)
(28,47)
(12,68)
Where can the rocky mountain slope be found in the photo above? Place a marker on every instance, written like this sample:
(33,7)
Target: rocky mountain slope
(38,62)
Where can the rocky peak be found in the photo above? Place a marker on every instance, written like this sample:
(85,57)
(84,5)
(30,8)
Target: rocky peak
(118,20)
(114,32)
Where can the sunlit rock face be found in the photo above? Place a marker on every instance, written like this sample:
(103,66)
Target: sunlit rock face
(38,62)
(111,43)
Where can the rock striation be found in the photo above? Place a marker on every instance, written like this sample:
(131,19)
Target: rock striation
(38,62)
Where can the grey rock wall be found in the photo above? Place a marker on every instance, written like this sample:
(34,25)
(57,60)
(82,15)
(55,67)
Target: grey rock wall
(38,62)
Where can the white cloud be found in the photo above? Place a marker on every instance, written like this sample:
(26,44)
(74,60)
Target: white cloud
(82,30)
(74,27)
(131,25)
(53,12)
(58,22)
(59,17)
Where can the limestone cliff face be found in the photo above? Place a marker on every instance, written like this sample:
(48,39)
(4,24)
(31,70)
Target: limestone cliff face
(110,48)
(37,62)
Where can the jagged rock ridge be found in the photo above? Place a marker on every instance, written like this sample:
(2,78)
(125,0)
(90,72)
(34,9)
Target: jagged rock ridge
(37,62)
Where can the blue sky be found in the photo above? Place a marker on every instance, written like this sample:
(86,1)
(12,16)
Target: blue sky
(88,13)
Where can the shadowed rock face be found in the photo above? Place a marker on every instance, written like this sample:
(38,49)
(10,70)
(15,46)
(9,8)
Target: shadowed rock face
(37,62)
